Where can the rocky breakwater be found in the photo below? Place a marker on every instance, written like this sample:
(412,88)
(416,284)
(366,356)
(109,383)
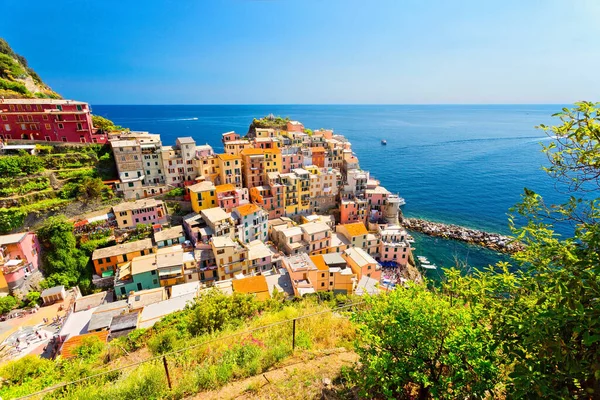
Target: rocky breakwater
(492,241)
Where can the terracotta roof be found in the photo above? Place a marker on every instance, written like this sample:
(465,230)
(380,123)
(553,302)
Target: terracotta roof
(225,157)
(356,229)
(253,152)
(254,285)
(319,262)
(67,350)
(247,209)
(228,187)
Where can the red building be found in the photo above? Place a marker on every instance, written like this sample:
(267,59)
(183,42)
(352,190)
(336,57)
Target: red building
(47,120)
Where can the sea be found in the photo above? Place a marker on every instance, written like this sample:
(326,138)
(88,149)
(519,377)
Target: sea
(458,164)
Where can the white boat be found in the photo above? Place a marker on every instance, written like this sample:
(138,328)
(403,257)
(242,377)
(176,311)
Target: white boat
(429,266)
(401,201)
(422,258)
(384,142)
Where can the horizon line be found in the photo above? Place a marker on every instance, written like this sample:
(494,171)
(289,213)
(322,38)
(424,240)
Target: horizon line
(332,104)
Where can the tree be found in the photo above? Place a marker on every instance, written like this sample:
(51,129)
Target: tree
(415,343)
(104,124)
(64,263)
(546,318)
(7,303)
(91,188)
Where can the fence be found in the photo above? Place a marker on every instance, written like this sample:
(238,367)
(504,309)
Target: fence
(293,325)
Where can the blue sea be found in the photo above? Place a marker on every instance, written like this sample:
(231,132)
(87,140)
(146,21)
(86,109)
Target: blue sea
(461,164)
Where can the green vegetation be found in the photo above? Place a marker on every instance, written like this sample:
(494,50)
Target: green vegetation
(7,303)
(231,354)
(528,334)
(14,70)
(64,263)
(176,192)
(105,125)
(269,121)
(26,180)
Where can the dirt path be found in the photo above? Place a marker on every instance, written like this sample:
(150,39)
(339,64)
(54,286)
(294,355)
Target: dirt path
(300,377)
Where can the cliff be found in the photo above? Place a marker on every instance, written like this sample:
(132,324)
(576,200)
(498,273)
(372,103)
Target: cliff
(17,79)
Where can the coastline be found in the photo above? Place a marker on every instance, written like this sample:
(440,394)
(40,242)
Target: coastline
(489,240)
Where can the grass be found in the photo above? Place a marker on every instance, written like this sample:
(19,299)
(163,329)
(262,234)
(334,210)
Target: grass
(235,355)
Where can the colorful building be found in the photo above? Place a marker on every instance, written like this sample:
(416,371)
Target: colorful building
(203,196)
(230,169)
(107,259)
(333,274)
(362,263)
(218,222)
(169,264)
(146,211)
(258,163)
(138,274)
(229,196)
(48,120)
(231,257)
(251,223)
(19,258)
(318,237)
(262,258)
(169,236)
(356,233)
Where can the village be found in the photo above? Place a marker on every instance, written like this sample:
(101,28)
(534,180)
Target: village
(283,212)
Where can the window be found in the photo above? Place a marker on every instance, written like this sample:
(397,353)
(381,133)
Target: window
(322,284)
(153,272)
(100,261)
(47,126)
(60,126)
(59,107)
(122,290)
(4,118)
(79,107)
(220,251)
(323,275)
(130,184)
(107,259)
(45,117)
(139,287)
(331,283)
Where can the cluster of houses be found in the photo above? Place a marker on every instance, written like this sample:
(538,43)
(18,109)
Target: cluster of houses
(286,211)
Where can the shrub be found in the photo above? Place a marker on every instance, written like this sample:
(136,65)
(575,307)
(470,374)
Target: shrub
(89,348)
(163,342)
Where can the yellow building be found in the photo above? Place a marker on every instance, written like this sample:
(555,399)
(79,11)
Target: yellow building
(107,259)
(356,233)
(230,169)
(297,191)
(333,274)
(258,163)
(231,257)
(208,167)
(203,196)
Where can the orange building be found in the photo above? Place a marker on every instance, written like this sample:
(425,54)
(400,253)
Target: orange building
(318,157)
(256,285)
(258,163)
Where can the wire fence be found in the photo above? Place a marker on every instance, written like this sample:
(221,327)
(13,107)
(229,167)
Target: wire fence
(293,325)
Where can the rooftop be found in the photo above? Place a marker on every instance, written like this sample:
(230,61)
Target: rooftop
(184,289)
(215,214)
(124,248)
(247,209)
(145,297)
(333,259)
(92,301)
(122,322)
(257,249)
(169,233)
(201,187)
(229,157)
(223,241)
(299,262)
(11,239)
(356,229)
(228,187)
(52,291)
(152,313)
(359,256)
(279,281)
(252,285)
(319,262)
(186,140)
(311,228)
(40,101)
(169,256)
(142,264)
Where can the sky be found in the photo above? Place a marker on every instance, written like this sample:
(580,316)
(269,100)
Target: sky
(310,51)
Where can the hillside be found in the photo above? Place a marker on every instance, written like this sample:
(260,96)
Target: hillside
(17,79)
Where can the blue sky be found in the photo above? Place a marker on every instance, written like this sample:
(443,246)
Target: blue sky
(311,51)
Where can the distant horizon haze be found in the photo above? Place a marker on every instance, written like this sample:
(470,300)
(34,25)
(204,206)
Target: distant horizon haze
(311,52)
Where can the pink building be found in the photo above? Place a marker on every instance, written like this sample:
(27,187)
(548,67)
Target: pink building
(47,120)
(229,137)
(19,257)
(353,211)
(145,211)
(377,199)
(229,197)
(295,126)
(290,162)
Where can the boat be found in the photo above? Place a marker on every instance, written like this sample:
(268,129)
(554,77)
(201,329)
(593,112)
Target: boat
(384,142)
(422,259)
(429,266)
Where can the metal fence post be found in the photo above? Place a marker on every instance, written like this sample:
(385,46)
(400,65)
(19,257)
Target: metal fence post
(167,371)
(294,334)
